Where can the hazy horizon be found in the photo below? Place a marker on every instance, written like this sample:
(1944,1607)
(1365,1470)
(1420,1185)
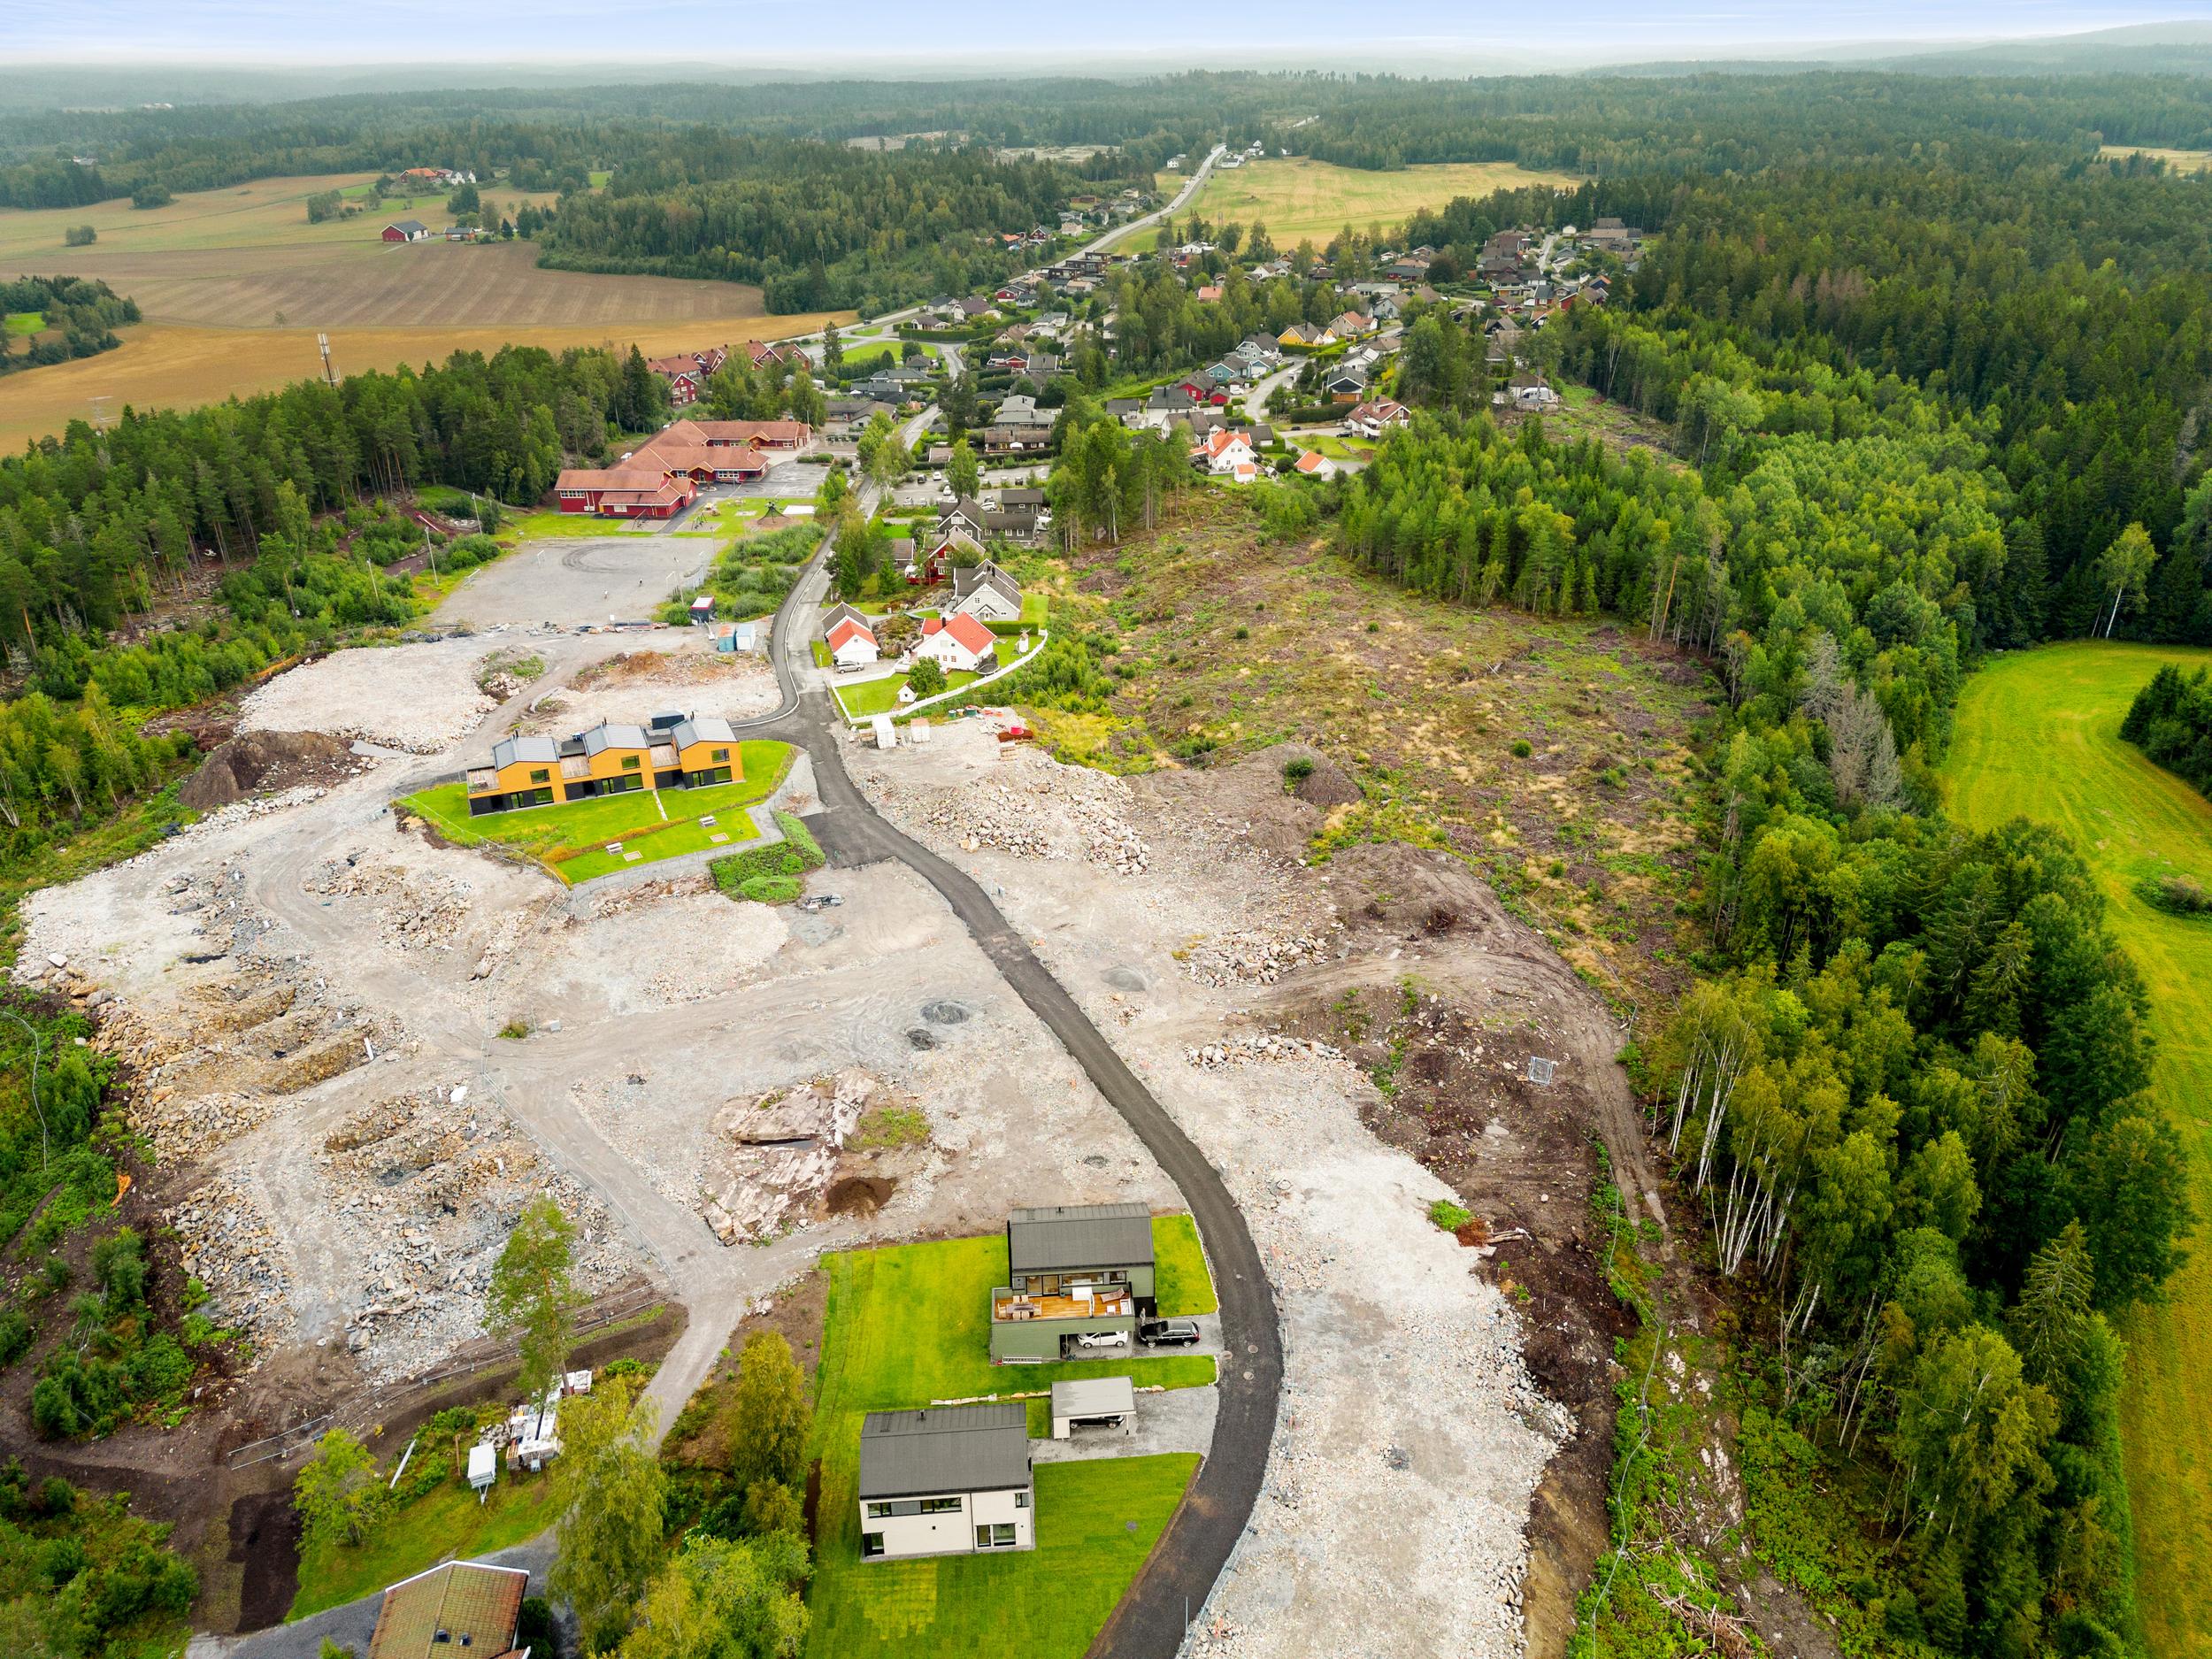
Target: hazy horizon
(872,37)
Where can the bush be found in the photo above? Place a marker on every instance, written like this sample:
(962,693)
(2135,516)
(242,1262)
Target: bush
(1297,771)
(1450,1217)
(2176,895)
(1523,749)
(79,236)
(791,858)
(536,1628)
(15,1336)
(927,678)
(769,889)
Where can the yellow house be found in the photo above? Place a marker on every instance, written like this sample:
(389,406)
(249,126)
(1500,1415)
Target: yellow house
(673,752)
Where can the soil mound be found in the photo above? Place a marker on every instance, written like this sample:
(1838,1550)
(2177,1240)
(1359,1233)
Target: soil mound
(1415,890)
(263,763)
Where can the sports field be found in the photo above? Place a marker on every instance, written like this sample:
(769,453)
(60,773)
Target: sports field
(1299,199)
(2038,736)
(235,284)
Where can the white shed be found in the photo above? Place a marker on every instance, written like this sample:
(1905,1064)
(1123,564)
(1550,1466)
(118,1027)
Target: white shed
(483,1468)
(886,735)
(1092,1403)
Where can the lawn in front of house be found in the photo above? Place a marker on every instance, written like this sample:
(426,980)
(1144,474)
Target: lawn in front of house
(909,1325)
(880,695)
(445,1524)
(569,839)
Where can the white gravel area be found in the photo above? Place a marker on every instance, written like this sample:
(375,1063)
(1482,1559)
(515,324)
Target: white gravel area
(351,694)
(684,949)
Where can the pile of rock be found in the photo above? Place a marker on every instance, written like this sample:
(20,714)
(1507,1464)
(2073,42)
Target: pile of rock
(226,1243)
(1252,957)
(1243,1051)
(777,1154)
(413,912)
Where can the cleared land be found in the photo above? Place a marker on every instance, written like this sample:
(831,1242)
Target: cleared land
(1299,198)
(909,1325)
(2038,736)
(571,838)
(2179,160)
(235,283)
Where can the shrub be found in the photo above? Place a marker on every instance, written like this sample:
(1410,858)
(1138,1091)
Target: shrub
(2176,895)
(927,678)
(1448,1216)
(769,889)
(1297,771)
(79,236)
(791,857)
(1523,749)
(15,1336)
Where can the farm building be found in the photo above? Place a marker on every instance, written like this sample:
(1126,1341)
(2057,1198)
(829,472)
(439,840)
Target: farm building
(406,230)
(1078,1276)
(462,1605)
(672,751)
(950,1480)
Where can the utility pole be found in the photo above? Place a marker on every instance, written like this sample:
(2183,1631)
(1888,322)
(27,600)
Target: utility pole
(330,370)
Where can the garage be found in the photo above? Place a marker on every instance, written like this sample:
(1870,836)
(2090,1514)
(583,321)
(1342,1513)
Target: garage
(1094,1402)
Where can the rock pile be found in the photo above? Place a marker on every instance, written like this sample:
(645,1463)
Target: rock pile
(777,1154)
(1252,957)
(1064,813)
(226,1243)
(414,911)
(1243,1051)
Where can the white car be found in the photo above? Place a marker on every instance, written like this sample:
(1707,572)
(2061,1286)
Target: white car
(1103,1339)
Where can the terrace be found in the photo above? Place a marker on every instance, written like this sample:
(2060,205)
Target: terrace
(1105,1301)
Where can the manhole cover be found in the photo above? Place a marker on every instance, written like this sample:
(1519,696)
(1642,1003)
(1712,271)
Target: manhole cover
(1540,1070)
(943,1013)
(919,1038)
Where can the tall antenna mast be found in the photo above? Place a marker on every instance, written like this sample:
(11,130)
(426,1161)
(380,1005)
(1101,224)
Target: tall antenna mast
(330,370)
(100,412)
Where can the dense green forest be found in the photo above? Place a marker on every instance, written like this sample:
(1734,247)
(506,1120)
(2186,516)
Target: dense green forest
(80,1574)
(2171,720)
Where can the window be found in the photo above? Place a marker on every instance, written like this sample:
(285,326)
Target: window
(1021,1500)
(630,763)
(719,753)
(870,1545)
(541,775)
(941,1506)
(999,1535)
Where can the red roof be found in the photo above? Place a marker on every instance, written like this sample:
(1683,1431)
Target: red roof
(1313,461)
(966,630)
(846,629)
(747,431)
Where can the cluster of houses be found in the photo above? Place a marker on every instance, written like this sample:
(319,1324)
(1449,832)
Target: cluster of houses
(686,372)
(405,230)
(958,1479)
(670,751)
(438,178)
(662,477)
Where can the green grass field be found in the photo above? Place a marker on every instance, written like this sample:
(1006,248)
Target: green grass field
(447,1524)
(912,1324)
(2038,736)
(23,322)
(881,695)
(657,823)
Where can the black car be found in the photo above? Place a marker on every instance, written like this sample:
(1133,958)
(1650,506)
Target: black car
(1168,1333)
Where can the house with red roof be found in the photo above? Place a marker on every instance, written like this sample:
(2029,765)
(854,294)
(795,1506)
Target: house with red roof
(852,643)
(1226,453)
(959,644)
(1313,464)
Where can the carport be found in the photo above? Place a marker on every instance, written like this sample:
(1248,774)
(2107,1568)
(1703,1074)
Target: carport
(1093,1402)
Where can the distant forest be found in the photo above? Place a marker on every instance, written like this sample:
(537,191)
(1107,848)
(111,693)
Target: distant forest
(77,318)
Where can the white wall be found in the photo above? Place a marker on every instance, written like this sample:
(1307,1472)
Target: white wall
(952,1532)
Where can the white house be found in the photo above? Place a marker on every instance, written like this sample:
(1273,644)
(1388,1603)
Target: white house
(950,1480)
(986,593)
(852,644)
(1225,452)
(1313,464)
(956,643)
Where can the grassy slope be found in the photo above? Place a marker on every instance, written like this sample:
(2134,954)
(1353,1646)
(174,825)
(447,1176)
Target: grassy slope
(447,1524)
(881,695)
(909,1325)
(2038,736)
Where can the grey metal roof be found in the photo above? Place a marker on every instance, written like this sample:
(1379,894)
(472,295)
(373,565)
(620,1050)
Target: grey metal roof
(539,750)
(944,1449)
(1094,1397)
(1061,1236)
(605,735)
(701,728)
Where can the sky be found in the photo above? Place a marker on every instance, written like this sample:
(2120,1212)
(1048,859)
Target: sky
(1434,36)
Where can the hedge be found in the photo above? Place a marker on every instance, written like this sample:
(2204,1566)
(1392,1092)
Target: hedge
(769,889)
(792,856)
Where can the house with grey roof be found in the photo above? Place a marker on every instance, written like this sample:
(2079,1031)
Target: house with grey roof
(986,592)
(948,1480)
(1079,1277)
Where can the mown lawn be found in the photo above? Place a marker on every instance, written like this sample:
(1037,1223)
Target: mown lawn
(2038,736)
(23,322)
(569,839)
(1180,1281)
(912,1324)
(448,1524)
(1096,1523)
(881,695)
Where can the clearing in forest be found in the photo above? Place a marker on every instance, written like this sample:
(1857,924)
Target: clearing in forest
(2178,160)
(2038,736)
(1299,198)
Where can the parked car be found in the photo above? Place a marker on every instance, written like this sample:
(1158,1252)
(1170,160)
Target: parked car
(1103,1339)
(1168,1333)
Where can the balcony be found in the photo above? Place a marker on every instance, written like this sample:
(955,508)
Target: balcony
(1106,1301)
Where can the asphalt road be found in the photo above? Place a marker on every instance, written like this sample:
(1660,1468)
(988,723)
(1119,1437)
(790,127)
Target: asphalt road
(1150,1624)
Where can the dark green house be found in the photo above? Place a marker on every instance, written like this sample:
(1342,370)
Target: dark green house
(1079,1275)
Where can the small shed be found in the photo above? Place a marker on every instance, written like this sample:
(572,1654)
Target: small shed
(1092,1403)
(483,1468)
(886,735)
(702,609)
